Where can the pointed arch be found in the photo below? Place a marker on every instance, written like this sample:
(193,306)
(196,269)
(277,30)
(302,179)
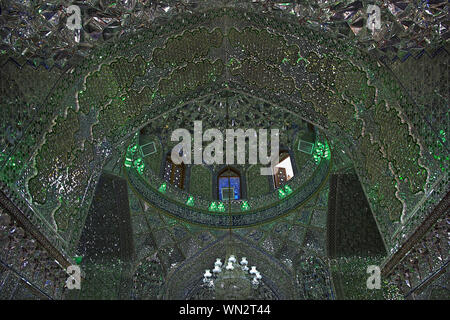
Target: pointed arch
(229,184)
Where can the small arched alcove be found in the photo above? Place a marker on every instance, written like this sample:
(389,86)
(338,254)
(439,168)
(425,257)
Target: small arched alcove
(229,184)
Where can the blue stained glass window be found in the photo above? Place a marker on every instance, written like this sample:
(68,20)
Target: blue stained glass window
(229,187)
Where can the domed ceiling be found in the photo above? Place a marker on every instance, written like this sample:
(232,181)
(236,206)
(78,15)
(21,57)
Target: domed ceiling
(230,67)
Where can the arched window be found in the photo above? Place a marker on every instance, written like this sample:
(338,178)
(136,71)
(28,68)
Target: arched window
(229,184)
(283,171)
(174,173)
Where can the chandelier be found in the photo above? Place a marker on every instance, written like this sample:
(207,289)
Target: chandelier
(232,274)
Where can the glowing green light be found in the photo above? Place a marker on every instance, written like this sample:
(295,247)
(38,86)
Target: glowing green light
(140,168)
(78,259)
(221,207)
(138,162)
(163,188)
(287,189)
(190,201)
(281,194)
(128,163)
(245,206)
(321,151)
(132,149)
(213,206)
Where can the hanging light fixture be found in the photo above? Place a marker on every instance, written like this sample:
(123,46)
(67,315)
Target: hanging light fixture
(232,269)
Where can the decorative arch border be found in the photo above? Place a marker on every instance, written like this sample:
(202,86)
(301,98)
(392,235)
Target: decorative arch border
(65,91)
